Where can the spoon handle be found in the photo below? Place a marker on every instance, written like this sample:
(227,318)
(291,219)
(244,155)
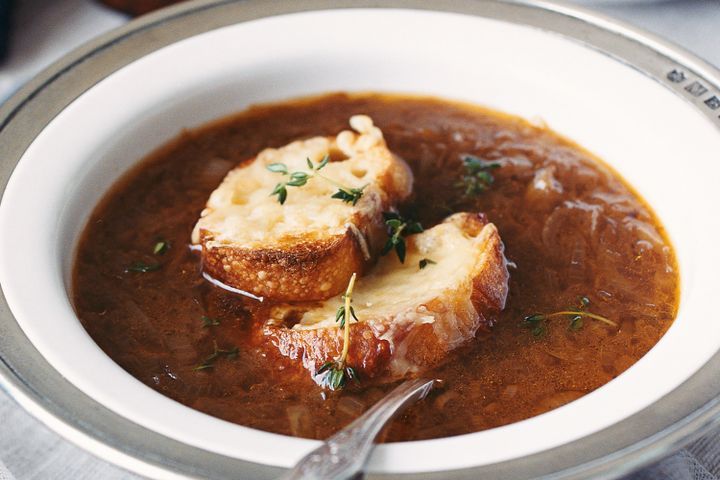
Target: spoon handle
(343,455)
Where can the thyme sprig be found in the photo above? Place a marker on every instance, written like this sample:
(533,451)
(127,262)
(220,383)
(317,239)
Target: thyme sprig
(477,177)
(209,362)
(336,374)
(538,321)
(398,228)
(300,178)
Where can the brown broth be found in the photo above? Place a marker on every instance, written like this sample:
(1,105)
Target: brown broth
(590,236)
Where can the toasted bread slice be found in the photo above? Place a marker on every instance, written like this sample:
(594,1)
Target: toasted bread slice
(410,317)
(306,248)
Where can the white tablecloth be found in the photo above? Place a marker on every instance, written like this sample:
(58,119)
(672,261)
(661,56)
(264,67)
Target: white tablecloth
(44,30)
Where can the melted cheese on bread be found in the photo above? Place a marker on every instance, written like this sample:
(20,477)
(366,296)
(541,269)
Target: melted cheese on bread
(395,290)
(409,318)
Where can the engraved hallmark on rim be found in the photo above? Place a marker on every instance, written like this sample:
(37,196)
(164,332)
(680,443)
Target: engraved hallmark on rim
(695,88)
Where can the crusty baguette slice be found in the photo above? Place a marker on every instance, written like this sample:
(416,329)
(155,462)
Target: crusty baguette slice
(307,248)
(409,317)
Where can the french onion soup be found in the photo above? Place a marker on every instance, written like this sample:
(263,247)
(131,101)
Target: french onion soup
(285,267)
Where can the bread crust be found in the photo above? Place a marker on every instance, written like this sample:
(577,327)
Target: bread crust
(390,347)
(307,270)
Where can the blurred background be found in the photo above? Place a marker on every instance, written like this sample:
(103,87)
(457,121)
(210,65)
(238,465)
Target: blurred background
(34,33)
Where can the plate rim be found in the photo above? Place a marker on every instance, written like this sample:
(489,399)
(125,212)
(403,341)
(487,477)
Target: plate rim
(32,382)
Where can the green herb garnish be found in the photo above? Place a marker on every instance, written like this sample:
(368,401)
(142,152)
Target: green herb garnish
(336,378)
(425,262)
(340,315)
(538,321)
(349,196)
(161,247)
(300,178)
(336,374)
(209,362)
(477,177)
(398,228)
(209,321)
(141,267)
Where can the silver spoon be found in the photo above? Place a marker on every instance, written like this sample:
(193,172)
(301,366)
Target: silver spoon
(343,456)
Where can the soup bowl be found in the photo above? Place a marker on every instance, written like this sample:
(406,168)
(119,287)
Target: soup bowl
(645,107)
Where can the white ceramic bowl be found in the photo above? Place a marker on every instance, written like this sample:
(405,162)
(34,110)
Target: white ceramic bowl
(653,130)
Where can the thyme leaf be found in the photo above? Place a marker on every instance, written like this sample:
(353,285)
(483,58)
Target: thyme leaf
(477,177)
(576,323)
(536,323)
(349,196)
(321,164)
(425,262)
(278,168)
(398,228)
(161,247)
(281,192)
(298,179)
(335,378)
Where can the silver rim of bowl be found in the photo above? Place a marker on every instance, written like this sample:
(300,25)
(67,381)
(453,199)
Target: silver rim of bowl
(686,413)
